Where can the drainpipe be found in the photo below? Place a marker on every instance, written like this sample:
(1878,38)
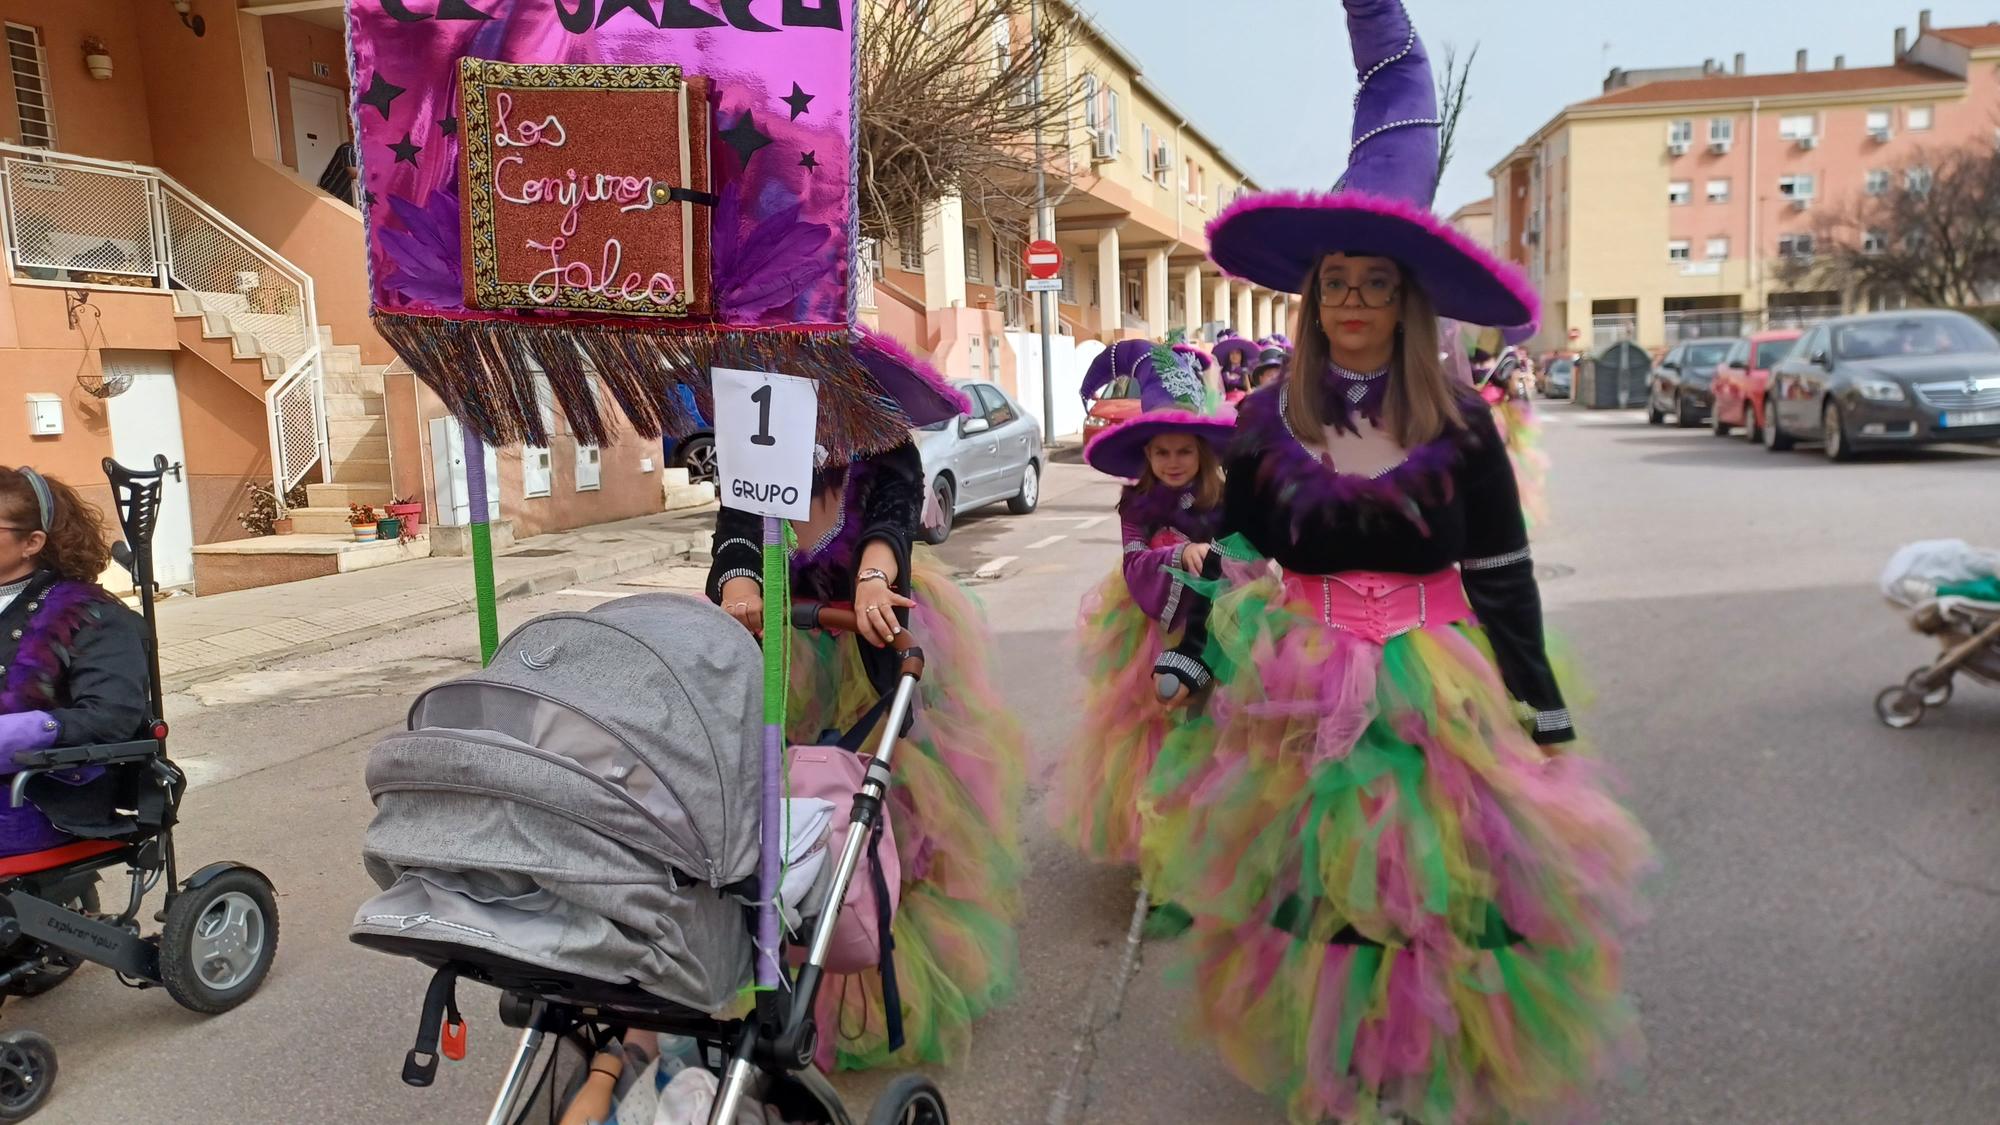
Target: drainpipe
(1751,197)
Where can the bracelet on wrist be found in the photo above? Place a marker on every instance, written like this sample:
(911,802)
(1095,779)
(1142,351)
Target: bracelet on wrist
(872,574)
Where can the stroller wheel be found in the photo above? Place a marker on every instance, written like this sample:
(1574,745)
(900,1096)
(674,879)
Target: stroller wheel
(27,1073)
(1936,697)
(910,1100)
(1899,708)
(218,941)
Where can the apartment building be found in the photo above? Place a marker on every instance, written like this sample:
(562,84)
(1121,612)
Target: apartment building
(1133,184)
(1665,207)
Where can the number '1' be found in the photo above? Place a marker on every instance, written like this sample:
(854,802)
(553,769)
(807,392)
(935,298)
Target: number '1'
(762,397)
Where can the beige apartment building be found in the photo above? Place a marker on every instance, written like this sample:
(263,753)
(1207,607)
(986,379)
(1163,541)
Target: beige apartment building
(1665,207)
(1132,183)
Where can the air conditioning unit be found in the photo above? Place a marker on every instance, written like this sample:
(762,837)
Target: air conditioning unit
(1677,148)
(1881,136)
(1103,147)
(1161,161)
(1718,147)
(1801,202)
(1810,140)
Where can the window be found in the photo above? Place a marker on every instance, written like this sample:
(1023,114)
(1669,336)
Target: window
(1874,242)
(1717,250)
(1721,130)
(1770,352)
(31,86)
(1797,126)
(1679,192)
(1146,147)
(1878,181)
(1163,161)
(1680,133)
(1100,115)
(1917,180)
(1068,276)
(1917,118)
(1879,120)
(910,246)
(995,405)
(972,241)
(1718,191)
(1091,118)
(1796,187)
(1678,250)
(1795,246)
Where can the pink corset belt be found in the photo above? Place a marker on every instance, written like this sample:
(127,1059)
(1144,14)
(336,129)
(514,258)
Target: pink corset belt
(1378,606)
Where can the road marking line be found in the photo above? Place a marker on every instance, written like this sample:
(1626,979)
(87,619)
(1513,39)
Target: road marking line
(991,567)
(580,593)
(1049,542)
(1083,523)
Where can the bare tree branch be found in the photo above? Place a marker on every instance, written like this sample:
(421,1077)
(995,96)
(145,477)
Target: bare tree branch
(1932,236)
(1451,101)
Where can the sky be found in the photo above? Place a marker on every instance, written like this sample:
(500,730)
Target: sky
(1272,81)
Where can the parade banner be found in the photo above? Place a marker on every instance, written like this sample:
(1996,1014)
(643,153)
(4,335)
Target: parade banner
(636,190)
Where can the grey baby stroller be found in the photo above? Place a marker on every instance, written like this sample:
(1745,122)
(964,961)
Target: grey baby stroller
(578,826)
(1952,594)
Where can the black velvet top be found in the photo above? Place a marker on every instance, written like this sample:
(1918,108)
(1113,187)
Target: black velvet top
(1454,501)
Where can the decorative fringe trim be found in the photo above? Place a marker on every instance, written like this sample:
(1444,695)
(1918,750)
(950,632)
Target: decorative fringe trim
(484,371)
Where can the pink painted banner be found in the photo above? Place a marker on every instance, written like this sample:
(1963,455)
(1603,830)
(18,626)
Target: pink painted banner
(752,222)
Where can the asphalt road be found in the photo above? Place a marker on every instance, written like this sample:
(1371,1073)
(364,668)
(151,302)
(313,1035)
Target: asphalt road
(1821,945)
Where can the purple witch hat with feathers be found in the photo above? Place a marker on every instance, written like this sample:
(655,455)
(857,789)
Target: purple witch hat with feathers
(1236,347)
(1382,204)
(1172,399)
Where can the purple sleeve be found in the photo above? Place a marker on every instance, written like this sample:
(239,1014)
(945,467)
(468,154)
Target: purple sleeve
(1159,593)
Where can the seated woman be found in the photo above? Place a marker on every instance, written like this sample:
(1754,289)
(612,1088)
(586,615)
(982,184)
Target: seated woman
(72,658)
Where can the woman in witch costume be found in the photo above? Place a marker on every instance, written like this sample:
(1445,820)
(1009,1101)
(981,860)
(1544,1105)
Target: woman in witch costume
(1238,358)
(1408,902)
(72,658)
(1143,622)
(957,797)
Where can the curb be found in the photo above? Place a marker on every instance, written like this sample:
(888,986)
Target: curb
(590,569)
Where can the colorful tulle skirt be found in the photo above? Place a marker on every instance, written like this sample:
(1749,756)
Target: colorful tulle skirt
(1096,803)
(1521,429)
(960,778)
(1404,908)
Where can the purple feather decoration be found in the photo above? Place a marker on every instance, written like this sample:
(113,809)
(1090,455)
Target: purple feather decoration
(425,253)
(37,668)
(768,265)
(1160,507)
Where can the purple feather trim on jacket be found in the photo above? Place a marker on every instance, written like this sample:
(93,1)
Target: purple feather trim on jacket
(825,569)
(1161,507)
(1304,483)
(38,664)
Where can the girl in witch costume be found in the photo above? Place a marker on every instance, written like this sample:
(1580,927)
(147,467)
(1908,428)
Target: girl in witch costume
(72,657)
(1238,358)
(961,773)
(1143,623)
(1407,901)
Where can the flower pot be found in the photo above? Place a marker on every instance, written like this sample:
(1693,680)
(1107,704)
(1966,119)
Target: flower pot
(99,66)
(281,526)
(364,532)
(412,516)
(388,527)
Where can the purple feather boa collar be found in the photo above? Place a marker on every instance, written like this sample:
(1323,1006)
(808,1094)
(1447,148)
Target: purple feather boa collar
(1161,507)
(1302,482)
(32,679)
(825,569)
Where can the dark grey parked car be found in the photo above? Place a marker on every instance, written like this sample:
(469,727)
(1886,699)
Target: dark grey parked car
(1877,380)
(992,454)
(1684,383)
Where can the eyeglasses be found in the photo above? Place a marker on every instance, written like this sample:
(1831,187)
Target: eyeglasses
(1374,293)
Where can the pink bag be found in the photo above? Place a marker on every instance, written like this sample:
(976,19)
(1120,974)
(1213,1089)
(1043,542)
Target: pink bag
(835,775)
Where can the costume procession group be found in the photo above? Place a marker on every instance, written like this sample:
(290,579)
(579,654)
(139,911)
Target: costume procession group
(1320,723)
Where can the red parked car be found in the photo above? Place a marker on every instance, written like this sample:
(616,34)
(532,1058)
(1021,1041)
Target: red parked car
(1742,377)
(1116,403)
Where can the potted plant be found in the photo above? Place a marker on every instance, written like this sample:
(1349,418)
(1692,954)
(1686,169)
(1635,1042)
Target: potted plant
(410,511)
(97,58)
(388,527)
(262,518)
(364,521)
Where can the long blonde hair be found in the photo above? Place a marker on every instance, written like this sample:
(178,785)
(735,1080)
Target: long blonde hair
(1207,478)
(1421,401)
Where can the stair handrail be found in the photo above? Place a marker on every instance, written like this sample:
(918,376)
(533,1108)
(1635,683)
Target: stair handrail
(306,365)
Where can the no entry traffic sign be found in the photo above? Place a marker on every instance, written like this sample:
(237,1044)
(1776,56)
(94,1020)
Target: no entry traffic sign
(1044,259)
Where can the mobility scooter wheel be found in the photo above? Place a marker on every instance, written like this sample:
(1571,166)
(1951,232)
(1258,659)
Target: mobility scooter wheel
(1899,708)
(218,941)
(61,966)
(910,1100)
(27,1073)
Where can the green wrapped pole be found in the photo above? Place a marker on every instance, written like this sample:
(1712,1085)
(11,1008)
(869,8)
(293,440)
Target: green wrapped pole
(482,549)
(777,681)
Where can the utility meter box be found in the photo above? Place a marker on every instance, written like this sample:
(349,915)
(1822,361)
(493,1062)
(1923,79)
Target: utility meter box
(45,415)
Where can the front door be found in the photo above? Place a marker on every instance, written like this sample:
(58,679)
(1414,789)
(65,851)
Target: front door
(316,127)
(145,421)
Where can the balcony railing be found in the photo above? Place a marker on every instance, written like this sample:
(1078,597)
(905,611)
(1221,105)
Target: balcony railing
(77,220)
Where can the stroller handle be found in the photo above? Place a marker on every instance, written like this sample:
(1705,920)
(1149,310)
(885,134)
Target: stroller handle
(819,615)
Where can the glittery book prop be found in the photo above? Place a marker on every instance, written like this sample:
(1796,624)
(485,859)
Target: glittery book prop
(729,242)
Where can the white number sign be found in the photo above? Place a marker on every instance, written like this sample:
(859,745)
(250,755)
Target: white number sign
(764,430)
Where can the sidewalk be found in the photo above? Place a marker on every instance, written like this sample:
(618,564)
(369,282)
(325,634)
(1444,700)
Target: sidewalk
(202,638)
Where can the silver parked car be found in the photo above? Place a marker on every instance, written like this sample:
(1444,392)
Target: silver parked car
(991,454)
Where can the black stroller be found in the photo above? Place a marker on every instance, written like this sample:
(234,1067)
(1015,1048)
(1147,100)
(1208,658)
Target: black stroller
(219,927)
(460,745)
